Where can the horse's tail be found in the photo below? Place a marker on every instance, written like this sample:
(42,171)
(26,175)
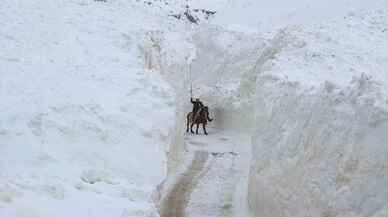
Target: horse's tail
(208,118)
(188,120)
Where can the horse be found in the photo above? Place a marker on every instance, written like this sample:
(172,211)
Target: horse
(201,117)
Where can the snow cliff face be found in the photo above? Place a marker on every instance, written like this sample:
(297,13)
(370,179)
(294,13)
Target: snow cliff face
(319,145)
(85,112)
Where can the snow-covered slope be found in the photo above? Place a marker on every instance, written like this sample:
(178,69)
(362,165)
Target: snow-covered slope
(262,16)
(85,113)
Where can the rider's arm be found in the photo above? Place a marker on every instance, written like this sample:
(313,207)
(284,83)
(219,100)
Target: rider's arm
(191,100)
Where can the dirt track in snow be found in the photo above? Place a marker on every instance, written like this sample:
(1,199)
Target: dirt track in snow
(208,186)
(177,200)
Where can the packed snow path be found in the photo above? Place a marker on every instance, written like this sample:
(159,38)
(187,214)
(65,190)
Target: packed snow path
(209,186)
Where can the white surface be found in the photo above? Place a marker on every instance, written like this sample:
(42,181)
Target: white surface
(80,134)
(214,173)
(92,92)
(320,141)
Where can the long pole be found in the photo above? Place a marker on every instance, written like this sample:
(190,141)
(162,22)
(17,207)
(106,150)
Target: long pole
(191,82)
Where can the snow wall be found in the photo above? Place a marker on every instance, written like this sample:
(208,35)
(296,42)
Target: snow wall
(320,154)
(161,53)
(321,122)
(223,58)
(78,118)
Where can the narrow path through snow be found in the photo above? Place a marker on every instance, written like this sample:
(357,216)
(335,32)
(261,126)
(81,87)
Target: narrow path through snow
(178,198)
(219,167)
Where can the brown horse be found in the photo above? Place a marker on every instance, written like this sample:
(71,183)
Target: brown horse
(201,117)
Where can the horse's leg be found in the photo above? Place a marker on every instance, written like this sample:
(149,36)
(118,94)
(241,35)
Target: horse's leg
(204,128)
(191,127)
(188,122)
(196,132)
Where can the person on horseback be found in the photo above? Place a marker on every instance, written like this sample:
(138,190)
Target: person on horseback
(200,117)
(197,105)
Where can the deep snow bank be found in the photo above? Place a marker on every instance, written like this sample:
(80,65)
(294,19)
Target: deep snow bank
(320,139)
(85,111)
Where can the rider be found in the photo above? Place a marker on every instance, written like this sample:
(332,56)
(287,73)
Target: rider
(197,104)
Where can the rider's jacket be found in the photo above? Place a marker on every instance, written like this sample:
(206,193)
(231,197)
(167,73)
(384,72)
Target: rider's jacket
(196,105)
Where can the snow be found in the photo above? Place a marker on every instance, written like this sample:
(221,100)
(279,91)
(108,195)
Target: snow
(219,160)
(95,94)
(321,114)
(336,51)
(78,118)
(266,16)
(316,94)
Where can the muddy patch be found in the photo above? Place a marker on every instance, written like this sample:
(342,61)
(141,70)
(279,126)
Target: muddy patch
(175,203)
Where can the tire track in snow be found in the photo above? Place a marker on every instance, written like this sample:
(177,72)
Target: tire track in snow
(177,200)
(209,185)
(219,190)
